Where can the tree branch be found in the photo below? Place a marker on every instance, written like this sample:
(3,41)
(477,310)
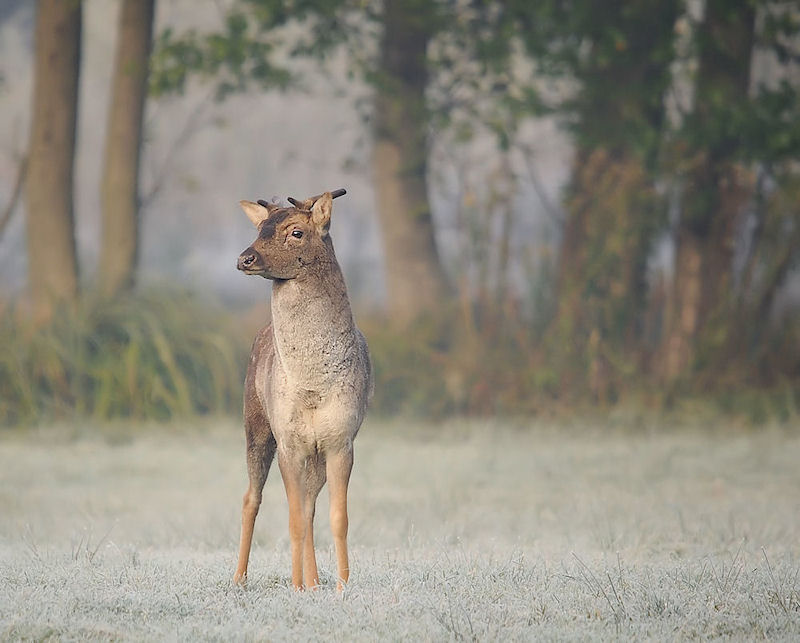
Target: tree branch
(191,126)
(5,216)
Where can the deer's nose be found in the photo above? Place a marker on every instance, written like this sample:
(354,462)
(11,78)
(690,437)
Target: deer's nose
(246,260)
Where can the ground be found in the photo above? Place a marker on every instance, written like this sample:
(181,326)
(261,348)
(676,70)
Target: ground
(462,530)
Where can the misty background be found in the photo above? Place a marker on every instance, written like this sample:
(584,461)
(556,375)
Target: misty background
(200,157)
(550,205)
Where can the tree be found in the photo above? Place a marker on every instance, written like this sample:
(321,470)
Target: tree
(715,183)
(737,132)
(120,183)
(415,279)
(52,263)
(619,58)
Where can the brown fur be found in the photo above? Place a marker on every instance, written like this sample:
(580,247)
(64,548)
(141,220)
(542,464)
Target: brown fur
(308,382)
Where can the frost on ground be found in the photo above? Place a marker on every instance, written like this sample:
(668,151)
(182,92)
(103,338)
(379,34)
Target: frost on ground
(485,531)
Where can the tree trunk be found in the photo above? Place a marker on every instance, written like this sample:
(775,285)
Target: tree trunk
(52,262)
(687,298)
(414,277)
(716,192)
(119,190)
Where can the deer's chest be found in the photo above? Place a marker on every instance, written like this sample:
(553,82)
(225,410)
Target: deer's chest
(306,422)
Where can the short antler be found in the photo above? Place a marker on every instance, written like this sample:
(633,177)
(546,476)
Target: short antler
(308,203)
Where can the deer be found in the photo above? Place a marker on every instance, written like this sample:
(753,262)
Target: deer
(308,383)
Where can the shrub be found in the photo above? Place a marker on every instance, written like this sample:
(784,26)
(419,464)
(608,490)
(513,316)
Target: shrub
(148,356)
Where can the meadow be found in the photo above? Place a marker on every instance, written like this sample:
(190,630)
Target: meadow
(479,530)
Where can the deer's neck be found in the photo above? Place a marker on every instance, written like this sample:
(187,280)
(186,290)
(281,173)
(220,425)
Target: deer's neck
(313,326)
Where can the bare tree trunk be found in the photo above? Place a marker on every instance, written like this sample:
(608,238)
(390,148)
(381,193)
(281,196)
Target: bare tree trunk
(52,262)
(414,277)
(119,190)
(687,298)
(716,192)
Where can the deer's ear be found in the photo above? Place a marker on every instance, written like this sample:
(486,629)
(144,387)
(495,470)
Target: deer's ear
(321,213)
(254,211)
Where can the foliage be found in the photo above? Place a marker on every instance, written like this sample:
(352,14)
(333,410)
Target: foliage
(149,356)
(472,68)
(734,117)
(616,56)
(232,56)
(257,43)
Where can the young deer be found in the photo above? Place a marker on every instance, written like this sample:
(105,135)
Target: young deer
(308,381)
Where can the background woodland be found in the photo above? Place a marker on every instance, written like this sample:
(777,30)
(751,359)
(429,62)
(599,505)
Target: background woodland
(662,269)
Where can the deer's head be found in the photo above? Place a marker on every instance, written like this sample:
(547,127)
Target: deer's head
(290,239)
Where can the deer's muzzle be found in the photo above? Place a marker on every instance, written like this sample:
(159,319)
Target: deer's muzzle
(248,261)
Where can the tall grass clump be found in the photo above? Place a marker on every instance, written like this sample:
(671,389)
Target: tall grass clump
(154,356)
(162,355)
(467,359)
(473,359)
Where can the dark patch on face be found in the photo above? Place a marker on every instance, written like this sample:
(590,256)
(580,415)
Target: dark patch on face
(267,228)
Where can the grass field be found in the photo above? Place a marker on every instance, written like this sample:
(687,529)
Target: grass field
(478,531)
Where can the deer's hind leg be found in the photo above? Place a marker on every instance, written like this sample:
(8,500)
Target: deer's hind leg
(260,453)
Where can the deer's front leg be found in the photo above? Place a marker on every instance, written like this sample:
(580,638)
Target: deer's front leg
(293,482)
(339,466)
(314,480)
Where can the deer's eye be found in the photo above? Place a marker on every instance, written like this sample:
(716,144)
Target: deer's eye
(297,234)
